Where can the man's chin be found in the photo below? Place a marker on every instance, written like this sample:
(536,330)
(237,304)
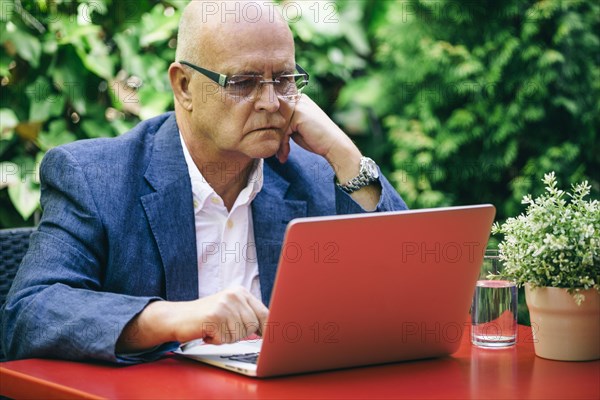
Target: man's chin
(265,153)
(266,144)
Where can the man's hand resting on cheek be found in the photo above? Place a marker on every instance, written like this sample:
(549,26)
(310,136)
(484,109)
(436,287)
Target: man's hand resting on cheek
(314,131)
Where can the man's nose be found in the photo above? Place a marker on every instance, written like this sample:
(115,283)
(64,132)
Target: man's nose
(267,99)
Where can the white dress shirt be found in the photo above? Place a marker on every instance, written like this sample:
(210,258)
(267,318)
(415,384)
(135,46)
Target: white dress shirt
(224,240)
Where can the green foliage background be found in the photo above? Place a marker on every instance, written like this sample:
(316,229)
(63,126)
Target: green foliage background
(460,102)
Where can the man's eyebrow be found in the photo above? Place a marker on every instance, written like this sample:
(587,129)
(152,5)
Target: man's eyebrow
(246,72)
(287,71)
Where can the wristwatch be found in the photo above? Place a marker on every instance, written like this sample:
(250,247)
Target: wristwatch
(368,174)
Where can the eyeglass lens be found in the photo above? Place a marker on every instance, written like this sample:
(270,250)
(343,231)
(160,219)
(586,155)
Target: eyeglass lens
(287,87)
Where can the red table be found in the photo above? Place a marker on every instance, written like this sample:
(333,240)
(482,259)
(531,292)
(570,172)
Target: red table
(514,373)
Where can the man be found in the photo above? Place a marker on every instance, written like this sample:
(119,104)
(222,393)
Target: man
(172,231)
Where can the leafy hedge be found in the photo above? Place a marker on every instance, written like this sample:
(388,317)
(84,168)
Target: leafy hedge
(459,101)
(73,70)
(94,68)
(480,98)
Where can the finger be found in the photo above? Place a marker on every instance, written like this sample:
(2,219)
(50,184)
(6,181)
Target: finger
(212,335)
(241,320)
(214,330)
(248,321)
(223,331)
(260,311)
(233,330)
(296,137)
(284,149)
(217,310)
(240,316)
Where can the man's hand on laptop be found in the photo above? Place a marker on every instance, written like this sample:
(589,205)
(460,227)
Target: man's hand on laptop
(225,317)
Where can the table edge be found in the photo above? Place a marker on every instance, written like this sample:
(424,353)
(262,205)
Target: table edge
(12,380)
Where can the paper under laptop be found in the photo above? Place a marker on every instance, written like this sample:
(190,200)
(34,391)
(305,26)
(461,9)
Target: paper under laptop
(239,357)
(365,289)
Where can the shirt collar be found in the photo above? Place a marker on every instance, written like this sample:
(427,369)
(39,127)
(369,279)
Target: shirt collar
(202,191)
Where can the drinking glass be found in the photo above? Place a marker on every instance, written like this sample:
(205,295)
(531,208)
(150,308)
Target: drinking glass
(494,308)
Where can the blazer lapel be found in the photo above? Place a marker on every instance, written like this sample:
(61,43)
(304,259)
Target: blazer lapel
(170,213)
(271,212)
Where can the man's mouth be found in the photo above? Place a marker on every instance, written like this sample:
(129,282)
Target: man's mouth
(267,128)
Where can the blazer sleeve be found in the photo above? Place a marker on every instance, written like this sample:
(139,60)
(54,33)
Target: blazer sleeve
(390,200)
(56,306)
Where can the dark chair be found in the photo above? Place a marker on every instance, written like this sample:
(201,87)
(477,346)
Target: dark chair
(13,246)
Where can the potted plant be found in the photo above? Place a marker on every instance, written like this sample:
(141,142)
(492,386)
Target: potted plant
(553,249)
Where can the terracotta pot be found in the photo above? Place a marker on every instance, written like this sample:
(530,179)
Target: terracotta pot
(562,330)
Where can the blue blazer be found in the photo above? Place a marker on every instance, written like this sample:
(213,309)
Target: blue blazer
(118,232)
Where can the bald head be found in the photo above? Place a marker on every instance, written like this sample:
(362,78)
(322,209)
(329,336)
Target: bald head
(207,27)
(231,38)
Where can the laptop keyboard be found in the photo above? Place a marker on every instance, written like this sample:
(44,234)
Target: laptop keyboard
(250,358)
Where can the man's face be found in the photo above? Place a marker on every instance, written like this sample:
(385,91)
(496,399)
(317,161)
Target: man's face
(243,128)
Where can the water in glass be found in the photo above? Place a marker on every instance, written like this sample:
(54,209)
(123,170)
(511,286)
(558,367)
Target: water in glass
(494,314)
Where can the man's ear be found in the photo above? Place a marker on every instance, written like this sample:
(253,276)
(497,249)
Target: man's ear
(180,83)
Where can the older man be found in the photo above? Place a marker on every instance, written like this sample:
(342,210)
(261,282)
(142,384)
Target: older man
(172,231)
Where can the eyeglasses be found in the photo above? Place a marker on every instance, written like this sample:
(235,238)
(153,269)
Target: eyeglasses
(288,87)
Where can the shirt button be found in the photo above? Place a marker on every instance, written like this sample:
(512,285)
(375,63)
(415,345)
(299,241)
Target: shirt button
(196,204)
(229,224)
(215,200)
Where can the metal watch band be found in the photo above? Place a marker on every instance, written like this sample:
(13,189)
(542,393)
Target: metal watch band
(368,174)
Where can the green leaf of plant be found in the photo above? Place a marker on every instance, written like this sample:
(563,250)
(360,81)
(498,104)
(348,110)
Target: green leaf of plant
(9,174)
(95,128)
(97,61)
(87,42)
(130,54)
(56,135)
(71,79)
(28,47)
(25,196)
(46,108)
(4,63)
(45,101)
(121,126)
(8,120)
(353,30)
(152,102)
(157,27)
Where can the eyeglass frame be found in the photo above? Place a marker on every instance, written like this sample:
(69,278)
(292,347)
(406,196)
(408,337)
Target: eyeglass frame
(222,79)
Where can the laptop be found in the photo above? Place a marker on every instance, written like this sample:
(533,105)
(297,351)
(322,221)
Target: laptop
(364,289)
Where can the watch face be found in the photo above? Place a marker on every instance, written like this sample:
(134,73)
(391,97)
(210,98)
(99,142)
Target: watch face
(371,167)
